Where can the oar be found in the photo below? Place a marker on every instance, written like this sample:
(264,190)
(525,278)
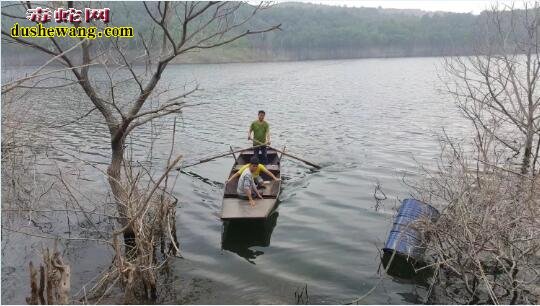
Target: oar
(296,157)
(202,178)
(290,155)
(217,156)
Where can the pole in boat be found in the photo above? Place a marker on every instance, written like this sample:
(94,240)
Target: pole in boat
(234,155)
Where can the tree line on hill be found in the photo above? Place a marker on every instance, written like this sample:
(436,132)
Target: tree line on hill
(310,31)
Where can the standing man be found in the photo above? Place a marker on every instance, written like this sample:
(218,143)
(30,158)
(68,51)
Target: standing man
(261,136)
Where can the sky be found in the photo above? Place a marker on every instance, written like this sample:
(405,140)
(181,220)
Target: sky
(458,6)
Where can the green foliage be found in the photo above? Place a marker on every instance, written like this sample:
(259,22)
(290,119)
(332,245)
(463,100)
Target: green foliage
(330,28)
(312,31)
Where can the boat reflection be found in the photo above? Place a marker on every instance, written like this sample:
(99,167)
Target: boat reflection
(239,236)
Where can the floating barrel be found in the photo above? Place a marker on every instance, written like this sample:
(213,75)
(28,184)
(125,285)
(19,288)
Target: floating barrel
(406,241)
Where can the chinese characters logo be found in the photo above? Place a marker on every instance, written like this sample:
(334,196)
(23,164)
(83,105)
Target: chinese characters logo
(71,15)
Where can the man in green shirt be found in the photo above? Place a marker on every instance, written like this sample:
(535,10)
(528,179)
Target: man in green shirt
(261,137)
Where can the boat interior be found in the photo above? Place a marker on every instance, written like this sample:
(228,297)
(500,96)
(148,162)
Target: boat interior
(271,189)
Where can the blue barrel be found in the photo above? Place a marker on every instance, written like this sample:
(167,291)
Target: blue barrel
(403,239)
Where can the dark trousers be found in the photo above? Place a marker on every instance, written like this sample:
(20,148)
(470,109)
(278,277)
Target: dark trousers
(261,154)
(245,197)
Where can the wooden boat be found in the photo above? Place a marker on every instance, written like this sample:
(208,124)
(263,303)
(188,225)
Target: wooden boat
(236,208)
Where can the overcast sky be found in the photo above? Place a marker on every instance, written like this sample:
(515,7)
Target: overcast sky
(460,6)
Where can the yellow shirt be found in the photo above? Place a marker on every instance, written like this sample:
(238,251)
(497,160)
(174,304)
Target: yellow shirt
(260,168)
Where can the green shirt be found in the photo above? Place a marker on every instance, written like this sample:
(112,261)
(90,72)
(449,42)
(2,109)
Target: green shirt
(260,130)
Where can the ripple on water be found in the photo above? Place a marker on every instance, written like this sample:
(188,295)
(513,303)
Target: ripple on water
(364,121)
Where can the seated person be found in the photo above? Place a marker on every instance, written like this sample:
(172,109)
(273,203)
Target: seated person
(246,186)
(256,175)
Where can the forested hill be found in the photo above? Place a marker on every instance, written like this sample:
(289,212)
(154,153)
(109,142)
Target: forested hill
(318,31)
(311,31)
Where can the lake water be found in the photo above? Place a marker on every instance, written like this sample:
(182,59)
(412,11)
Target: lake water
(364,121)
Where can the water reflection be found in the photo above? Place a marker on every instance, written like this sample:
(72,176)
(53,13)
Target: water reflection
(406,269)
(339,114)
(239,236)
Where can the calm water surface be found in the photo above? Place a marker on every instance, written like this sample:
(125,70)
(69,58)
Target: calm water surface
(364,121)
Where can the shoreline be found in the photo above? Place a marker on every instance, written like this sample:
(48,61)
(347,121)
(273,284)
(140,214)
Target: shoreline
(10,62)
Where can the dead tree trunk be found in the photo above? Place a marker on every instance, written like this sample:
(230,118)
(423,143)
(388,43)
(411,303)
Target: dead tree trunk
(54,278)
(118,186)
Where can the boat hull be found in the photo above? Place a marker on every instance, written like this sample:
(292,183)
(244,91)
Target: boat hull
(240,209)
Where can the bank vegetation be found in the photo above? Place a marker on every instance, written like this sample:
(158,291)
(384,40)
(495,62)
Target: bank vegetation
(485,248)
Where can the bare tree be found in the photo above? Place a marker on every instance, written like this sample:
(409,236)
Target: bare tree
(485,246)
(496,88)
(121,81)
(181,27)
